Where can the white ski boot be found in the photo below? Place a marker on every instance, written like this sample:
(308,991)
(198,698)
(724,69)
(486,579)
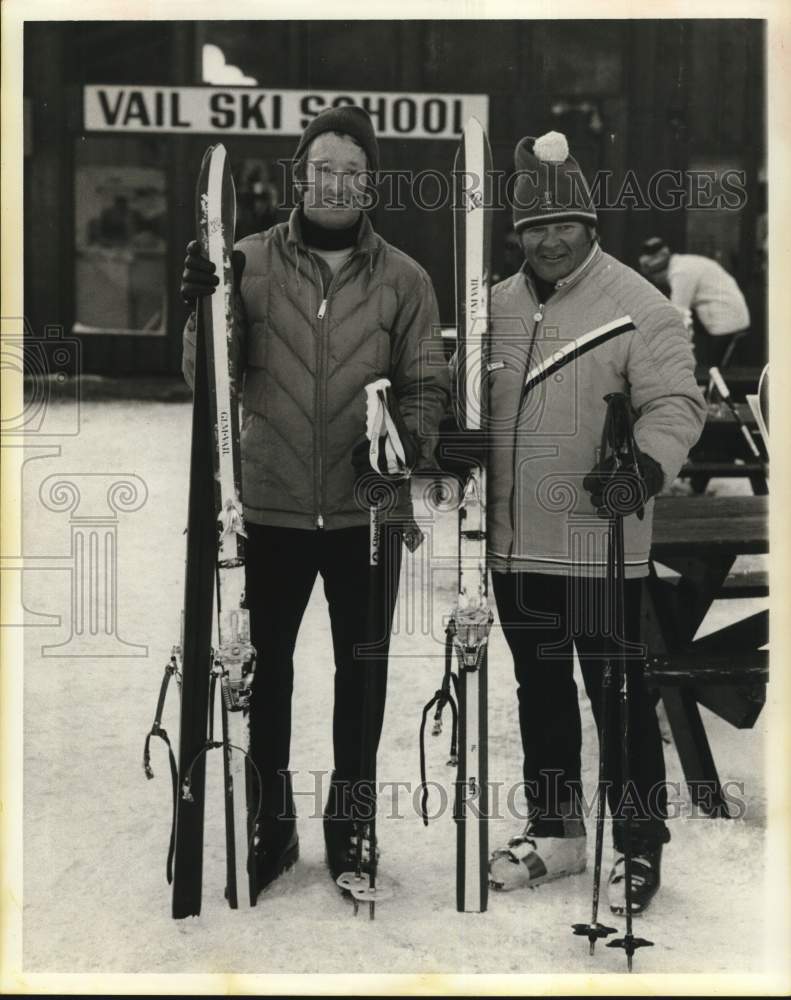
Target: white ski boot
(533,858)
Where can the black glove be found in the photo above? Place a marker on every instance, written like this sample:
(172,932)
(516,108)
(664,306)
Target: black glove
(623,491)
(459,451)
(199,277)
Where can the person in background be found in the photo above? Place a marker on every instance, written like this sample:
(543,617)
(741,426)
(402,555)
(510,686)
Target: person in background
(704,291)
(323,307)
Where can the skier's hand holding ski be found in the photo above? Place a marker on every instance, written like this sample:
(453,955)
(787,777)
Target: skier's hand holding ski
(199,277)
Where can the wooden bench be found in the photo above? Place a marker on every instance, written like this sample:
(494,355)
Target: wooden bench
(699,538)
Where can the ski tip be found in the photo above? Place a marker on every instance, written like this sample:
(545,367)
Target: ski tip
(473,123)
(206,157)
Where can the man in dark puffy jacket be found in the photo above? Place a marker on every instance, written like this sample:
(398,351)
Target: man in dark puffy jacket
(547,546)
(323,307)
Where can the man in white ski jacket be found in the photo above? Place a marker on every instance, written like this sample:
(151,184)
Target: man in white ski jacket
(547,543)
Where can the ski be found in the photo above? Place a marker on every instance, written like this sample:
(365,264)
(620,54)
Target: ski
(193,654)
(471,619)
(214,580)
(233,662)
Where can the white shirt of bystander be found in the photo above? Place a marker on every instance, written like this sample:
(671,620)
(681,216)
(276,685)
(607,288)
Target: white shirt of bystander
(702,284)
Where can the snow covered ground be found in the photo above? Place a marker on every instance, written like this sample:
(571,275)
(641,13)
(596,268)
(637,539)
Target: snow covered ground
(96,832)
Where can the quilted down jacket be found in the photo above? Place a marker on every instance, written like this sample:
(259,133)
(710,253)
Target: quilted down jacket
(540,517)
(306,357)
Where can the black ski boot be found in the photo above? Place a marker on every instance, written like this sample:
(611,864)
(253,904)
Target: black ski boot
(339,830)
(646,866)
(276,844)
(275,849)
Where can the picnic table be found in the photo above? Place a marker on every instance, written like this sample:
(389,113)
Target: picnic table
(723,452)
(699,539)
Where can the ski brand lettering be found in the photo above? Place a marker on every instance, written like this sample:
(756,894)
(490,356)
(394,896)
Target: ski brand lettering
(475,291)
(225,432)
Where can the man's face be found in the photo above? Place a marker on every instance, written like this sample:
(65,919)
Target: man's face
(556,249)
(654,267)
(335,188)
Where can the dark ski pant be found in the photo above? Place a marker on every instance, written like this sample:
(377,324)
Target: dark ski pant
(281,569)
(540,615)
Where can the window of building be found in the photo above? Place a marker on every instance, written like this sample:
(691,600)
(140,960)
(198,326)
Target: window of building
(120,214)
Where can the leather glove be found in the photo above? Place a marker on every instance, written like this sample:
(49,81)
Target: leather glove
(199,277)
(623,491)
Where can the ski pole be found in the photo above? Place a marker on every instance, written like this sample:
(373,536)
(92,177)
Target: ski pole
(595,930)
(387,457)
(618,425)
(628,942)
(724,392)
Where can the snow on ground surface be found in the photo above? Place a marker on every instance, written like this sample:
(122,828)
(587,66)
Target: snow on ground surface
(96,832)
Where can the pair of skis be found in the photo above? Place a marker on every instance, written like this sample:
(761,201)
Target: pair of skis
(214,579)
(470,622)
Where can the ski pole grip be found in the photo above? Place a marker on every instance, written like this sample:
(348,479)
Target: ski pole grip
(388,439)
(372,403)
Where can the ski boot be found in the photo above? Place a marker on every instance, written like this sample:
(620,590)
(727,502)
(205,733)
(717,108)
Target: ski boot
(646,867)
(276,849)
(546,850)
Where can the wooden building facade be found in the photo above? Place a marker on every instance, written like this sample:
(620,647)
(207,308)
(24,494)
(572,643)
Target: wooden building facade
(668,115)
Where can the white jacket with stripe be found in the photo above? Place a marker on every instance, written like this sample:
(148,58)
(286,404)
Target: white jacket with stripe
(540,518)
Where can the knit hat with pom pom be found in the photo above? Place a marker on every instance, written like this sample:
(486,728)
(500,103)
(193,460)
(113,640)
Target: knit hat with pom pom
(550,187)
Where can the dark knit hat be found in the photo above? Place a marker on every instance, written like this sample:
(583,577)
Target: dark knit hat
(348,119)
(654,256)
(653,245)
(550,187)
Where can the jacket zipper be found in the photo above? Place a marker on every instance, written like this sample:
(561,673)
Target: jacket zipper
(321,429)
(537,318)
